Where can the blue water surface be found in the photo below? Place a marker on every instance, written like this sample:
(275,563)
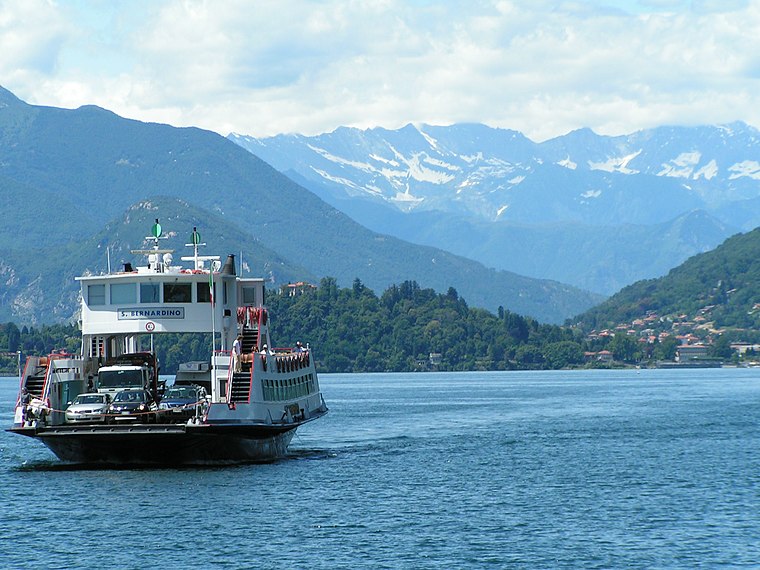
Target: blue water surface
(584,469)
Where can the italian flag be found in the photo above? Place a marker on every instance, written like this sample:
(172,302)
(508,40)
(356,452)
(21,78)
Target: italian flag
(211,285)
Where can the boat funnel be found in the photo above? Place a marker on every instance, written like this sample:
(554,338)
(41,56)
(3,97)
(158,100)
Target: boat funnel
(229,266)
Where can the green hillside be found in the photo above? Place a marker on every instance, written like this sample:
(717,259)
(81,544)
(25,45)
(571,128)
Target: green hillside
(721,286)
(88,166)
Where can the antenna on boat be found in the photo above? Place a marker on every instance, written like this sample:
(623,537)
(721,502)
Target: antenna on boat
(156,234)
(154,261)
(198,260)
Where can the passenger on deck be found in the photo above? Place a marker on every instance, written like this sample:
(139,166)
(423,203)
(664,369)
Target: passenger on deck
(299,347)
(236,353)
(26,398)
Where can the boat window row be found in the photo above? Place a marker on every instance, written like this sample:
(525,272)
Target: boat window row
(150,292)
(288,389)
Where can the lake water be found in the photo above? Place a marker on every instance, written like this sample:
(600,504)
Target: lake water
(587,469)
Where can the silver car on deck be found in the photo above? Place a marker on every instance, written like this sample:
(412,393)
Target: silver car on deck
(87,408)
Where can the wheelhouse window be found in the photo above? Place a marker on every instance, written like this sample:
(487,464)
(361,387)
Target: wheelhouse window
(249,295)
(178,293)
(123,293)
(96,295)
(149,293)
(203,292)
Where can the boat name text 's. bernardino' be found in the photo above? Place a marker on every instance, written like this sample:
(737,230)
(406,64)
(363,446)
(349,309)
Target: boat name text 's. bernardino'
(151,313)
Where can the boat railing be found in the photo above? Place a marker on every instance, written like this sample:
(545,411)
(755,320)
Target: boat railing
(252,317)
(292,361)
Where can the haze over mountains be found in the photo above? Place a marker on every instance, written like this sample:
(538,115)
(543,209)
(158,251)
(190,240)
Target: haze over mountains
(594,211)
(75,182)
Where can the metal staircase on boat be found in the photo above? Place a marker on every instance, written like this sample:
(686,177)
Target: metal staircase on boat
(35,382)
(250,342)
(240,390)
(35,385)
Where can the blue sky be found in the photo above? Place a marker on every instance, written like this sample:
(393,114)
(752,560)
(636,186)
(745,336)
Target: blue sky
(265,67)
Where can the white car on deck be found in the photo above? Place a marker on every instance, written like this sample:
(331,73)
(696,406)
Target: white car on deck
(87,408)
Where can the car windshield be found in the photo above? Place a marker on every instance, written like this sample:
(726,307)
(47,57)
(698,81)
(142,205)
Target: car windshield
(130,397)
(90,399)
(180,393)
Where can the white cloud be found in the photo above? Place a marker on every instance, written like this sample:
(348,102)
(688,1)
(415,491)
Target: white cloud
(31,38)
(261,68)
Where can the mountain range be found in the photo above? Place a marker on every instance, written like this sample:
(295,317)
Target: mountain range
(598,212)
(78,183)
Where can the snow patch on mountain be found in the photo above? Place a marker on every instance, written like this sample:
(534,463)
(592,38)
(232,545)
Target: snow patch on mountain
(616,164)
(493,168)
(682,166)
(339,160)
(383,160)
(470,158)
(337,179)
(442,164)
(418,171)
(430,140)
(406,201)
(374,190)
(567,163)
(392,175)
(708,171)
(746,168)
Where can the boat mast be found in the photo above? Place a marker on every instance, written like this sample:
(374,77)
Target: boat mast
(199,262)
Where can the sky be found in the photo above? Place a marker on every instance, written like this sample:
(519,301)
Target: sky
(261,67)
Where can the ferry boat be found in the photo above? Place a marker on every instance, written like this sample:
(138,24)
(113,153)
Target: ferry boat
(248,408)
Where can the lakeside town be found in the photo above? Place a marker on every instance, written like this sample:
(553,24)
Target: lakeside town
(680,340)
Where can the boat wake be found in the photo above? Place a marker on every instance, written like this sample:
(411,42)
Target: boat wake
(310,454)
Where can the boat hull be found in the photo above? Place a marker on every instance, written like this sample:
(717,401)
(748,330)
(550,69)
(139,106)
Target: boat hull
(164,444)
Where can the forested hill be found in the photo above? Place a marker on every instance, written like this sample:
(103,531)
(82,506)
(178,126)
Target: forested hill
(352,329)
(721,286)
